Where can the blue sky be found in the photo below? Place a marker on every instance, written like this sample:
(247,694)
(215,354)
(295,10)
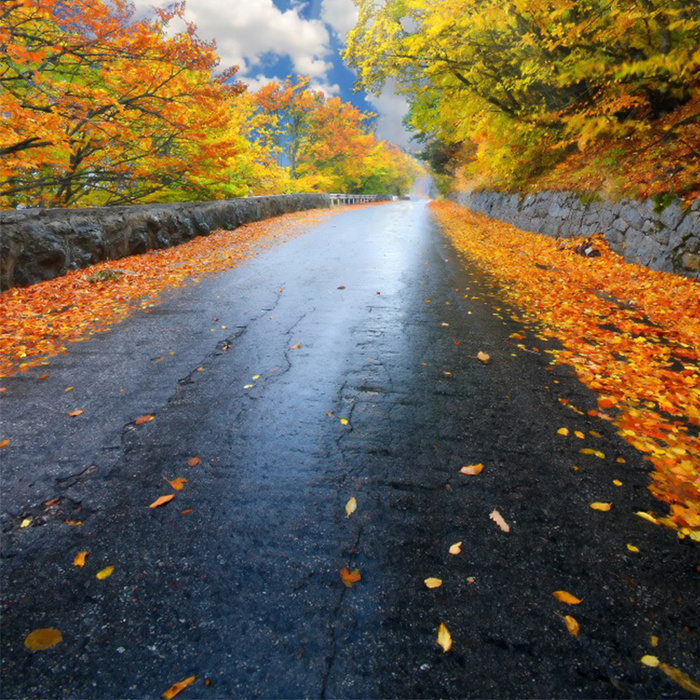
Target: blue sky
(274,38)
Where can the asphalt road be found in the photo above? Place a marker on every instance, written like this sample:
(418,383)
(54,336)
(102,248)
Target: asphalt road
(340,364)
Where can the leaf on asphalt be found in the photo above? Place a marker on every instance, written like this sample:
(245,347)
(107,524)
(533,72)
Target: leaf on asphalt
(456,548)
(255,377)
(432,582)
(565,597)
(193,462)
(248,386)
(295,347)
(343,421)
(498,519)
(472,469)
(178,484)
(177,688)
(342,286)
(483,357)
(75,413)
(444,638)
(351,506)
(654,640)
(105,573)
(572,625)
(649,660)
(647,516)
(26,523)
(579,435)
(144,419)
(350,577)
(43,638)
(563,431)
(601,506)
(162,500)
(632,548)
(80,559)
(517,336)
(683,679)
(4,443)
(73,523)
(617,482)
(44,376)
(605,402)
(589,451)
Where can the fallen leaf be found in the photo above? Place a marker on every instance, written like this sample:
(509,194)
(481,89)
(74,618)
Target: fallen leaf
(187,510)
(343,421)
(563,431)
(255,376)
(177,688)
(75,413)
(73,523)
(342,286)
(472,469)
(565,597)
(632,548)
(295,347)
(517,336)
(247,386)
(105,573)
(44,376)
(193,462)
(683,679)
(432,582)
(456,548)
(617,482)
(601,506)
(68,388)
(483,357)
(162,500)
(80,559)
(178,484)
(26,522)
(471,579)
(606,402)
(572,625)
(654,640)
(351,506)
(498,519)
(144,419)
(51,502)
(589,451)
(4,443)
(646,516)
(43,638)
(579,435)
(350,577)
(444,639)
(649,660)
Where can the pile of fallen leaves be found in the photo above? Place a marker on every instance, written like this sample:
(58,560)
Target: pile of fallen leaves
(631,334)
(41,320)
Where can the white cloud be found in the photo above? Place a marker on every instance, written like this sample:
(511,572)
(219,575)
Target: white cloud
(391,109)
(341,15)
(246,31)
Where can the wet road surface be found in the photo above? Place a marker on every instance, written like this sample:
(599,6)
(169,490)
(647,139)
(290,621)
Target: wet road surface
(339,364)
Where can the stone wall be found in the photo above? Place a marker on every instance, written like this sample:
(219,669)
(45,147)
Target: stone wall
(40,244)
(668,240)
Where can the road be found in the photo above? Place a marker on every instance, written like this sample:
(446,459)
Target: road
(340,364)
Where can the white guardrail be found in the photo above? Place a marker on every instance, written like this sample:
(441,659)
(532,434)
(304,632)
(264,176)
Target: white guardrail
(340,199)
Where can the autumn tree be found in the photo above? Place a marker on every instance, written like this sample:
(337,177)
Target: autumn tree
(526,80)
(102,108)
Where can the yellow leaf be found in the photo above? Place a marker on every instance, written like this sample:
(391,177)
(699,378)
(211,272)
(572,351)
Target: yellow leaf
(351,506)
(472,469)
(350,577)
(343,421)
(498,519)
(565,597)
(654,640)
(176,688)
(683,679)
(646,516)
(572,625)
(433,582)
(601,506)
(444,639)
(563,431)
(105,573)
(43,638)
(162,500)
(483,357)
(26,522)
(589,451)
(649,660)
(295,347)
(579,434)
(68,388)
(456,548)
(80,559)
(255,376)
(617,482)
(632,548)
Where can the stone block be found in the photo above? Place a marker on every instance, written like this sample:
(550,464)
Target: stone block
(672,215)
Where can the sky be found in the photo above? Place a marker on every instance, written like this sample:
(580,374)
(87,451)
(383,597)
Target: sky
(271,39)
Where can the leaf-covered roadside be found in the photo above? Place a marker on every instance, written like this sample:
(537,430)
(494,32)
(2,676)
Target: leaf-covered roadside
(41,320)
(631,334)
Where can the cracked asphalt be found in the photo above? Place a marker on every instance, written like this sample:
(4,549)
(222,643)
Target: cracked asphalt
(339,364)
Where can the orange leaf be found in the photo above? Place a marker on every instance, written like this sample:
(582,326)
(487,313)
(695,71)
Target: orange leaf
(601,506)
(456,548)
(350,578)
(433,582)
(43,638)
(4,443)
(472,469)
(483,357)
(75,413)
(572,625)
(565,597)
(176,688)
(193,462)
(44,376)
(178,484)
(80,559)
(162,500)
(498,519)
(144,419)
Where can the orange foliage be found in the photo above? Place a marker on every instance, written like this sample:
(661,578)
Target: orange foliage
(40,320)
(631,334)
